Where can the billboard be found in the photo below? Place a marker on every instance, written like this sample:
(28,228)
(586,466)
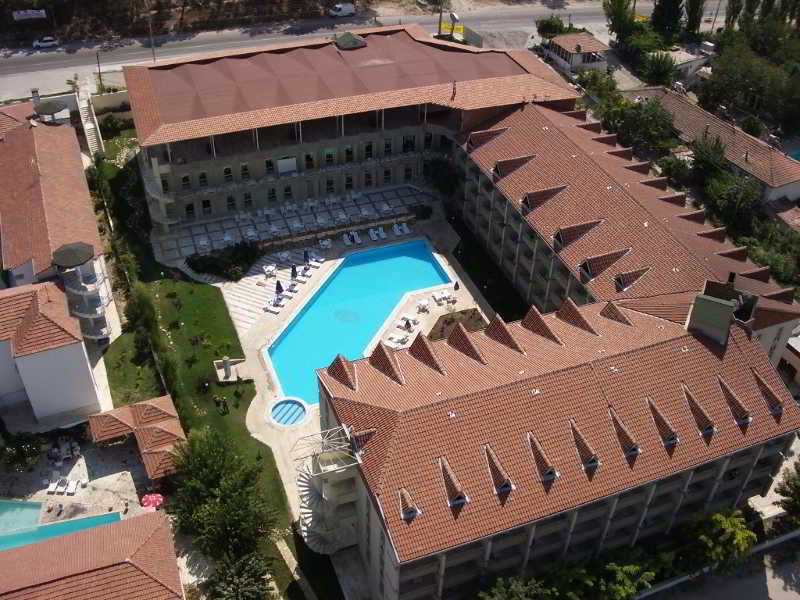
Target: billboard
(24,15)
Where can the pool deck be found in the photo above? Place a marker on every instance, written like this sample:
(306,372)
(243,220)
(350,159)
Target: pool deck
(266,327)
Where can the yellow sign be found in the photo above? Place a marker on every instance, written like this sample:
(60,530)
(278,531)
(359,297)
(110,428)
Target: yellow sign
(448,28)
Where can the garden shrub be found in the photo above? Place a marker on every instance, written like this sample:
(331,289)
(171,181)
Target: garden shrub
(230,263)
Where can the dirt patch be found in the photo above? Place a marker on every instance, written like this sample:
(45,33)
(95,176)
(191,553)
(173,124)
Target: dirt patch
(470,318)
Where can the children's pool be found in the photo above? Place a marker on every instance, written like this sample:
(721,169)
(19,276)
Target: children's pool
(346,312)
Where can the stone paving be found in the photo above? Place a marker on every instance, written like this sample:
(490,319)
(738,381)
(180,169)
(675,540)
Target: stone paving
(282,220)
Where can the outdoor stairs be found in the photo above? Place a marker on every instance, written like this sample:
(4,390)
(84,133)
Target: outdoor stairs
(89,130)
(313,524)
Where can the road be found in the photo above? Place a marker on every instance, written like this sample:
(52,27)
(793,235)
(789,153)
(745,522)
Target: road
(48,69)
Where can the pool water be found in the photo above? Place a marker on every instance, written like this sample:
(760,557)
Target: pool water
(18,515)
(39,533)
(288,412)
(795,155)
(346,312)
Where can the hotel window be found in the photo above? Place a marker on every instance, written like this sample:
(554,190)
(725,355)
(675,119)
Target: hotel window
(408,174)
(387,146)
(206,207)
(348,154)
(330,157)
(368,151)
(202,179)
(247,200)
(409,143)
(190,211)
(330,187)
(367,179)
(309,161)
(186,182)
(227,174)
(231,204)
(287,192)
(428,140)
(164,185)
(348,182)
(245,171)
(272,195)
(387,176)
(269,167)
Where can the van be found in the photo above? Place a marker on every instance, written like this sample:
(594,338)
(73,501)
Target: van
(342,10)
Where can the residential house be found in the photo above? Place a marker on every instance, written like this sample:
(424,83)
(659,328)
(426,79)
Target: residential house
(573,51)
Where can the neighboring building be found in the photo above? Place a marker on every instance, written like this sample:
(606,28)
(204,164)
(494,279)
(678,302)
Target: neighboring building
(573,51)
(43,361)
(46,210)
(689,61)
(778,174)
(241,130)
(513,449)
(155,425)
(128,560)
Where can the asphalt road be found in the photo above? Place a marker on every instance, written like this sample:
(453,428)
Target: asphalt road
(132,51)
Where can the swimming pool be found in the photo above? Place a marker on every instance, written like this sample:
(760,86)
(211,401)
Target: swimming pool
(33,533)
(346,312)
(16,515)
(795,155)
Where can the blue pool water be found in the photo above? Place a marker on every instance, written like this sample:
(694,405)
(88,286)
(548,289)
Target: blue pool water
(346,312)
(38,533)
(795,155)
(18,515)
(288,412)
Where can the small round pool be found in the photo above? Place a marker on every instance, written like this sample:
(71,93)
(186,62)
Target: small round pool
(288,412)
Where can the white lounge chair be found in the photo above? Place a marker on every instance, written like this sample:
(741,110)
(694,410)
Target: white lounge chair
(397,339)
(439,297)
(413,319)
(51,488)
(269,270)
(271,308)
(404,228)
(405,325)
(346,240)
(423,306)
(72,487)
(317,258)
(357,238)
(372,235)
(381,233)
(292,288)
(62,485)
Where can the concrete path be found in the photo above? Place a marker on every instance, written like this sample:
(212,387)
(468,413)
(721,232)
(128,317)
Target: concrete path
(298,574)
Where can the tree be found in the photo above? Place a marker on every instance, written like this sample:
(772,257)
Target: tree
(623,582)
(645,126)
(599,84)
(766,9)
(721,538)
(750,10)
(239,578)
(550,26)
(752,125)
(518,588)
(641,43)
(694,15)
(708,158)
(732,12)
(140,312)
(620,18)
(666,18)
(789,490)
(677,170)
(659,69)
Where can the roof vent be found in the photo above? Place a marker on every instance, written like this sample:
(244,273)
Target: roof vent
(349,41)
(408,509)
(451,414)
(455,493)
(546,469)
(711,317)
(500,478)
(666,432)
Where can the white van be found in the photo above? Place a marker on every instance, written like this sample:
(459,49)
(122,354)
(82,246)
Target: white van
(342,10)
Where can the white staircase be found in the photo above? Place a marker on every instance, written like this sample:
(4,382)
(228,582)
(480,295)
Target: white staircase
(318,532)
(93,138)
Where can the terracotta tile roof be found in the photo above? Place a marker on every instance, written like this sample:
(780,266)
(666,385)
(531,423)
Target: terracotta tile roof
(579,42)
(273,85)
(45,202)
(552,409)
(750,154)
(129,560)
(35,318)
(155,425)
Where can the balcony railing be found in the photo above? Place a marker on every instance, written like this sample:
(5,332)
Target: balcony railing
(83,283)
(95,333)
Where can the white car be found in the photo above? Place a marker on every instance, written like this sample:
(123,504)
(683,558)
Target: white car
(345,9)
(47,41)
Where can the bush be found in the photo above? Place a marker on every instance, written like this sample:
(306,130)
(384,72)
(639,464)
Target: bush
(734,200)
(553,25)
(752,125)
(659,68)
(708,159)
(677,170)
(21,452)
(598,84)
(721,539)
(421,212)
(140,311)
(231,262)
(239,578)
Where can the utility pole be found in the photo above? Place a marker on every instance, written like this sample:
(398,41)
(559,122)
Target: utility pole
(150,27)
(441,8)
(716,12)
(99,74)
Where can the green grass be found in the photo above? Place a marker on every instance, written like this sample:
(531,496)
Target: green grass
(114,146)
(130,378)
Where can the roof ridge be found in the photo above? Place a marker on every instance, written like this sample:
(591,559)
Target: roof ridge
(461,341)
(26,323)
(498,331)
(500,477)
(39,183)
(546,468)
(343,371)
(597,264)
(586,454)
(452,487)
(534,322)
(626,440)
(613,312)
(422,350)
(569,313)
(666,431)
(131,559)
(384,361)
(774,403)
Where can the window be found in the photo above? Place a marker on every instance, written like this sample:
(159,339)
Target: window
(409,143)
(368,151)
(287,192)
(227,174)
(245,171)
(348,154)
(247,200)
(428,141)
(202,179)
(387,176)
(272,195)
(309,161)
(367,179)
(231,204)
(387,146)
(458,500)
(408,173)
(164,185)
(348,182)
(186,183)
(330,186)
(190,211)
(330,157)
(269,167)
(206,207)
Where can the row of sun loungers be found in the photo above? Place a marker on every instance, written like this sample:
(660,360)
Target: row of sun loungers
(62,485)
(444,296)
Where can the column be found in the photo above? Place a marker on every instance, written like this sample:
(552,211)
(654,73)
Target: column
(572,520)
(607,526)
(683,491)
(213,147)
(650,493)
(487,553)
(749,474)
(440,574)
(528,547)
(516,250)
(722,468)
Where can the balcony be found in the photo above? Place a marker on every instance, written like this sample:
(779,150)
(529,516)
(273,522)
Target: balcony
(509,541)
(97,332)
(83,284)
(423,589)
(88,310)
(458,557)
(426,566)
(460,575)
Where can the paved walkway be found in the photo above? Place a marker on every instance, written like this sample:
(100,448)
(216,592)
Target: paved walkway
(298,574)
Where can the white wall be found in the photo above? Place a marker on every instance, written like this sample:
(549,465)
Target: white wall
(12,390)
(58,380)
(790,191)
(773,339)
(22,275)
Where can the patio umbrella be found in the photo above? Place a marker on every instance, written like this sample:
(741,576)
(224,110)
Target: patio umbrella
(294,271)
(278,288)
(305,256)
(152,500)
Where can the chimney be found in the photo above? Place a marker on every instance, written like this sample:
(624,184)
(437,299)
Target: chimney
(35,96)
(731,278)
(712,317)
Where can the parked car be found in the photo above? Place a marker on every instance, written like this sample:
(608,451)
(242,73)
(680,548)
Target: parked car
(47,41)
(342,10)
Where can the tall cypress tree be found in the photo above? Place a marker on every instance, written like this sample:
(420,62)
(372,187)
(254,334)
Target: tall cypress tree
(694,15)
(666,18)
(732,13)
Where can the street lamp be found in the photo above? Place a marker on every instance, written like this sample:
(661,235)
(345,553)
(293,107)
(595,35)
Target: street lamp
(99,73)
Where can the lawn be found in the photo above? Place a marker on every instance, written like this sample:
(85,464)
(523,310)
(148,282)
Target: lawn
(118,150)
(130,378)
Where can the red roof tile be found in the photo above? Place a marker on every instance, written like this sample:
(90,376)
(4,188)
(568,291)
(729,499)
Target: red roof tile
(579,42)
(501,334)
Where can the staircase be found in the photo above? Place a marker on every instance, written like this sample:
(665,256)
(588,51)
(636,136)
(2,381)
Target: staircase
(93,139)
(318,533)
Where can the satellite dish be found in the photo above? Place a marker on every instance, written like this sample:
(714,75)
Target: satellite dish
(454,17)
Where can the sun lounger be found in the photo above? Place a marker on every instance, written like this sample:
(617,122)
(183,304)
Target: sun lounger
(413,319)
(423,306)
(404,325)
(357,238)
(317,258)
(270,308)
(51,488)
(292,287)
(346,240)
(397,339)
(269,270)
(62,485)
(381,233)
(372,235)
(404,228)
(72,487)
(439,297)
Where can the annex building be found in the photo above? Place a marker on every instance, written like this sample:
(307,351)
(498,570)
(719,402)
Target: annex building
(638,390)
